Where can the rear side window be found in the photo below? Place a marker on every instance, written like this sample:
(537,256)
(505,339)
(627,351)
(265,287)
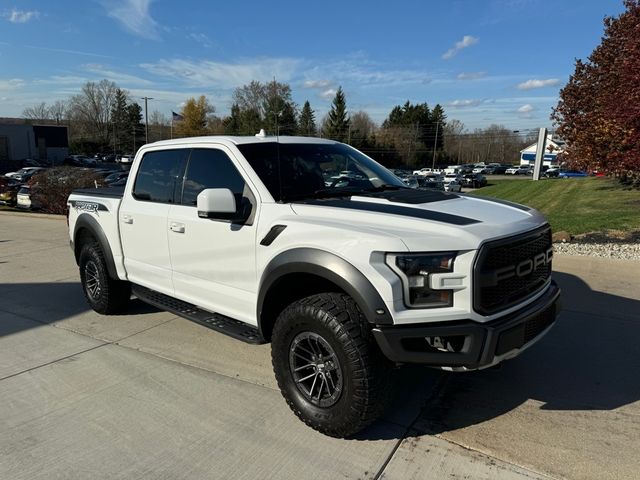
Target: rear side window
(158,175)
(210,168)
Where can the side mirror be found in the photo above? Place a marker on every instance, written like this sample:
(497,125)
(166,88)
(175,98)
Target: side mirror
(218,203)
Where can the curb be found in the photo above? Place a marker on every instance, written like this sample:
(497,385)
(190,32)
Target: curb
(33,215)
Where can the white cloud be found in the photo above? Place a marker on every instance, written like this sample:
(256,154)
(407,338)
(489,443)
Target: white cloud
(328,94)
(11,84)
(526,108)
(466,42)
(471,75)
(20,16)
(62,80)
(70,52)
(316,84)
(364,73)
(134,16)
(122,78)
(218,75)
(464,103)
(535,83)
(201,38)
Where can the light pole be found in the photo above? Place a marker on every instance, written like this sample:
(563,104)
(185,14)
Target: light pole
(146,119)
(435,145)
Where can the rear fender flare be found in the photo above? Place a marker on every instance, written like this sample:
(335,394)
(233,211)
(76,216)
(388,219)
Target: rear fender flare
(86,222)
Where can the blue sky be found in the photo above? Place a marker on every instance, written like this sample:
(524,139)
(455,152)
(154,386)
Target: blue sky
(485,61)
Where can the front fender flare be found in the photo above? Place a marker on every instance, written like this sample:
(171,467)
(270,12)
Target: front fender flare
(332,268)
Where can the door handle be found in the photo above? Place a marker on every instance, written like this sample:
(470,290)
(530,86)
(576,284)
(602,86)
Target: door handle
(127,219)
(176,227)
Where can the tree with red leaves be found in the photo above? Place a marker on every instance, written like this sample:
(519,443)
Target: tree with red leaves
(599,109)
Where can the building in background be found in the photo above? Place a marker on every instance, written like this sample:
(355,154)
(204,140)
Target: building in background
(554,147)
(20,141)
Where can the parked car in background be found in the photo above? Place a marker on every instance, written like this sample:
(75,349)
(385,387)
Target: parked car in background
(30,162)
(411,181)
(474,180)
(115,176)
(79,161)
(453,182)
(431,182)
(427,171)
(517,170)
(23,199)
(127,158)
(571,174)
(23,174)
(552,172)
(485,169)
(9,190)
(25,177)
(499,170)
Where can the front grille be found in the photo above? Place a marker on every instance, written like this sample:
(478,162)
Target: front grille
(507,271)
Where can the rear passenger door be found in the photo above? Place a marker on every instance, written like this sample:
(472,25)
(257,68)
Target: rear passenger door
(143,218)
(213,260)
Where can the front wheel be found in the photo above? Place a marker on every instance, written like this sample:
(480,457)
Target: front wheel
(104,294)
(327,365)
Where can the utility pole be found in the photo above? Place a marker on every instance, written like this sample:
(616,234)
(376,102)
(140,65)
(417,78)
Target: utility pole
(435,145)
(146,119)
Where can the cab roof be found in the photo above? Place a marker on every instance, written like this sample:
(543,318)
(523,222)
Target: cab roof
(240,140)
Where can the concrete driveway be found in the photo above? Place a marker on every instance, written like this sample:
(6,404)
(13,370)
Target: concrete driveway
(150,395)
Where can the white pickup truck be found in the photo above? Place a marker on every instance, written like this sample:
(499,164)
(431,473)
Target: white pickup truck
(347,276)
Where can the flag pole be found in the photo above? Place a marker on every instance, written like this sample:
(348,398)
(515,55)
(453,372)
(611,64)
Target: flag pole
(171,125)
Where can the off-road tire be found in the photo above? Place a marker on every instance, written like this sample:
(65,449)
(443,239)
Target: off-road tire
(366,379)
(104,294)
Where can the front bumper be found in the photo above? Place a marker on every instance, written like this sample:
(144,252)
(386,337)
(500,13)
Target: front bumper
(468,345)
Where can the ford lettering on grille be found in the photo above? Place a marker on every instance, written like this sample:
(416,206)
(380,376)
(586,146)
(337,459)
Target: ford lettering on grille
(524,268)
(508,271)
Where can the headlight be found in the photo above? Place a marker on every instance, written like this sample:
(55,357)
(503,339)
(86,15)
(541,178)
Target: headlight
(414,271)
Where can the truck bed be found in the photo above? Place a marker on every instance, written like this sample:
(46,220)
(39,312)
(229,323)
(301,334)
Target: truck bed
(113,192)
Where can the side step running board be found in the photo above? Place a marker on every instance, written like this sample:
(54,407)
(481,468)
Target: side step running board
(234,328)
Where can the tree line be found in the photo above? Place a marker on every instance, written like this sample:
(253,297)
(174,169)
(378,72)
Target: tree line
(103,117)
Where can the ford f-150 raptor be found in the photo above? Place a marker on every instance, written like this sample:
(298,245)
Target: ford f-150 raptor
(313,246)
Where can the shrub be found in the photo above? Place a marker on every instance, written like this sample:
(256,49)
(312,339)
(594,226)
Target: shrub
(51,188)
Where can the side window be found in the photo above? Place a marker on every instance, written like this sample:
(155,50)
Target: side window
(210,168)
(158,175)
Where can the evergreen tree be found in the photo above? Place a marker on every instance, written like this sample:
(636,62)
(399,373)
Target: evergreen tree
(134,129)
(307,123)
(410,130)
(120,121)
(232,124)
(337,124)
(288,123)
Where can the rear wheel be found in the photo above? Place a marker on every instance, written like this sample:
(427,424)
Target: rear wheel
(328,367)
(104,294)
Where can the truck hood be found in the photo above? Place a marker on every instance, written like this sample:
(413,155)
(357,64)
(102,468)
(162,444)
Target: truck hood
(426,220)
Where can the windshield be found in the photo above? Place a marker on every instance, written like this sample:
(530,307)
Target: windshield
(311,170)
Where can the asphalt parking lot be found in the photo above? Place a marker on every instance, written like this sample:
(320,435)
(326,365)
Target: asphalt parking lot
(150,395)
